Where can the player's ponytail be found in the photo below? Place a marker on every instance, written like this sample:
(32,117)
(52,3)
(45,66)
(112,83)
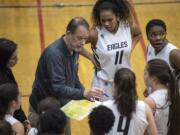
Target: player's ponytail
(174,98)
(125,91)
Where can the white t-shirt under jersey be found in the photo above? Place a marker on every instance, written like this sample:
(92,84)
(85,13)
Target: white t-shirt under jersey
(9,118)
(112,51)
(162,110)
(32,131)
(137,124)
(164,54)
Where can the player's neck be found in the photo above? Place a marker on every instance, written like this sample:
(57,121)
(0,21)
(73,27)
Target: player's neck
(158,87)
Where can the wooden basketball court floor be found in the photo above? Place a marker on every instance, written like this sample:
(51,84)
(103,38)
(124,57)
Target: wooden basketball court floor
(34,24)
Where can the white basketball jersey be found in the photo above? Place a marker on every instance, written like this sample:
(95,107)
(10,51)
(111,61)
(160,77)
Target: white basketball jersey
(164,54)
(112,51)
(162,110)
(122,126)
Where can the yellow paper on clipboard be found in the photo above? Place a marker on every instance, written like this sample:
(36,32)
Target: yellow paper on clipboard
(79,109)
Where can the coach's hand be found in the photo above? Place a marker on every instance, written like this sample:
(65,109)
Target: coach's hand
(93,93)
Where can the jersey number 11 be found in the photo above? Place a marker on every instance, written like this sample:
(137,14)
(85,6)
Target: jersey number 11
(118,58)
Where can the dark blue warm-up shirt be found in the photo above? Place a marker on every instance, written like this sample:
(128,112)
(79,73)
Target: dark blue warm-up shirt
(57,75)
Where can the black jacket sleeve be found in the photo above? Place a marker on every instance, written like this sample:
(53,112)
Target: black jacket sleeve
(56,69)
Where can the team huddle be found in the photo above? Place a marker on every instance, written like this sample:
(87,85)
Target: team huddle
(113,37)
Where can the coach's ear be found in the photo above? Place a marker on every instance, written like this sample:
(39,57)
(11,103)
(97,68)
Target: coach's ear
(68,35)
(118,18)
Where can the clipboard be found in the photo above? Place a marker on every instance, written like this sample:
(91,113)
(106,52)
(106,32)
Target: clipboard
(79,109)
